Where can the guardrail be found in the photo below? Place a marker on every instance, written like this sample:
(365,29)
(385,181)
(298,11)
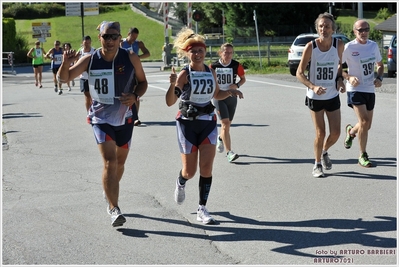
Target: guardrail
(8,61)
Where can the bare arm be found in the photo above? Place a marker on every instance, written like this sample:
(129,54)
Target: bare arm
(340,79)
(67,73)
(30,53)
(142,85)
(176,84)
(144,50)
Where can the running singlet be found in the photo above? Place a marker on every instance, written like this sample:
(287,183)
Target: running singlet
(57,58)
(361,58)
(227,74)
(199,91)
(131,47)
(323,70)
(107,81)
(38,53)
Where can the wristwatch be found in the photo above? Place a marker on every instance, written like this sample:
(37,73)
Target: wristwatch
(238,85)
(379,78)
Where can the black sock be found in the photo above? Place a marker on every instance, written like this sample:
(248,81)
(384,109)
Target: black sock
(204,188)
(182,180)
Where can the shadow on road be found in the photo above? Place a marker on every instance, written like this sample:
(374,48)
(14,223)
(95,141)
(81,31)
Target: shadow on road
(345,231)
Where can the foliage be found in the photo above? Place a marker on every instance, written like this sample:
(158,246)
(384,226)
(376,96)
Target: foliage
(47,10)
(279,18)
(383,13)
(31,11)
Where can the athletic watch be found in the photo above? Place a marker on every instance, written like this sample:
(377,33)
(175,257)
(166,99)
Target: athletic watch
(379,78)
(238,85)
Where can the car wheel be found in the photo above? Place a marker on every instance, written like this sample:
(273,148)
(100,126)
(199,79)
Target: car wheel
(391,73)
(293,72)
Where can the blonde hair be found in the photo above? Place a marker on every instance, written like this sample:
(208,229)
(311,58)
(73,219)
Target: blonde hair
(325,15)
(185,38)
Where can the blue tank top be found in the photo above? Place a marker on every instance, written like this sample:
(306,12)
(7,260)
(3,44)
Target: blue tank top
(57,58)
(133,47)
(107,80)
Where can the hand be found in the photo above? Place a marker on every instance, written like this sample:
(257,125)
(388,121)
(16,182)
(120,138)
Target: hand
(173,76)
(235,93)
(354,81)
(127,99)
(341,86)
(377,82)
(319,90)
(69,56)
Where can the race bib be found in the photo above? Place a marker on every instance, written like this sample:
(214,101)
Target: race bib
(202,87)
(367,65)
(225,77)
(101,86)
(57,59)
(324,75)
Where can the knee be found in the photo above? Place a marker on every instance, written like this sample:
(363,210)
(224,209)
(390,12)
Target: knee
(188,174)
(320,134)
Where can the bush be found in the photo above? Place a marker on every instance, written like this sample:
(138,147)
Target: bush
(33,11)
(383,13)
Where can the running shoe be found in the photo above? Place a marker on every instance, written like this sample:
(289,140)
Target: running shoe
(137,122)
(180,192)
(73,82)
(69,89)
(60,92)
(318,171)
(364,160)
(349,137)
(55,89)
(117,218)
(204,216)
(326,161)
(40,86)
(231,156)
(106,200)
(219,145)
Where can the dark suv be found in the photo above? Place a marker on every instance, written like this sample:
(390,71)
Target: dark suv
(391,54)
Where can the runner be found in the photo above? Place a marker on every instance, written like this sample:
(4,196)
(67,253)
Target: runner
(55,54)
(37,54)
(196,119)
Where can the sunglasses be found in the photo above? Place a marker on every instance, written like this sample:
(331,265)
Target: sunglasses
(363,30)
(110,36)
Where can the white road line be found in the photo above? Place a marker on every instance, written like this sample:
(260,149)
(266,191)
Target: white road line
(278,84)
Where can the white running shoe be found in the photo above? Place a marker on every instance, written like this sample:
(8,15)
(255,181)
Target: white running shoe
(219,145)
(231,156)
(117,218)
(204,216)
(318,171)
(180,192)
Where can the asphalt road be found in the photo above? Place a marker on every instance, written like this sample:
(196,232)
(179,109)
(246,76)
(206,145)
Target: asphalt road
(269,208)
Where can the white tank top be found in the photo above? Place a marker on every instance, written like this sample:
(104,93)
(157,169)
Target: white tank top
(323,70)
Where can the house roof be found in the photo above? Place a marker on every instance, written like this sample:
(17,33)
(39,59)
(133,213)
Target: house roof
(388,25)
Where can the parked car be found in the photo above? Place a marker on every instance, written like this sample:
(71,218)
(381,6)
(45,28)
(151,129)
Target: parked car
(297,47)
(391,57)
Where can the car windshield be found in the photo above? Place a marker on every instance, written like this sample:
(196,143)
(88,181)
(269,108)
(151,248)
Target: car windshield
(303,41)
(394,43)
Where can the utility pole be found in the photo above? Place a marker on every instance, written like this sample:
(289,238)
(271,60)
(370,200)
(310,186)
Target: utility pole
(360,10)
(257,37)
